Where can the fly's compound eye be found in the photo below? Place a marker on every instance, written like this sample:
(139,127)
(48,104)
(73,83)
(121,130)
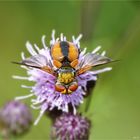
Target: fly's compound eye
(66,89)
(73,87)
(60,88)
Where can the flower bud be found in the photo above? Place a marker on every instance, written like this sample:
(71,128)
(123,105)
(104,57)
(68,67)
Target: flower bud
(71,127)
(15,118)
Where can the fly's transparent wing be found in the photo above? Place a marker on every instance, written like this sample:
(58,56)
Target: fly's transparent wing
(91,60)
(94,60)
(36,61)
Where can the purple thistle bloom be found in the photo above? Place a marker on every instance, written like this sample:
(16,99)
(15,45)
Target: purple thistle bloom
(15,118)
(70,127)
(46,97)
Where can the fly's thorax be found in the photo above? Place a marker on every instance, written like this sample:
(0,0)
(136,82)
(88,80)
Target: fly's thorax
(66,75)
(66,82)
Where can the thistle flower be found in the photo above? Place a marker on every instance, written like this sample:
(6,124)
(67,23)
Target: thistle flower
(15,118)
(60,81)
(70,127)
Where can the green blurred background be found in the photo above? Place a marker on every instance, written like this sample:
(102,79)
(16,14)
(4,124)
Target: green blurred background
(115,25)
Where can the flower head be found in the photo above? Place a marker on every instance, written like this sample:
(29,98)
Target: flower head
(71,127)
(60,73)
(15,118)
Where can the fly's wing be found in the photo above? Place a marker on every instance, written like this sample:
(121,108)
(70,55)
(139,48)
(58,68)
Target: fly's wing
(91,60)
(38,61)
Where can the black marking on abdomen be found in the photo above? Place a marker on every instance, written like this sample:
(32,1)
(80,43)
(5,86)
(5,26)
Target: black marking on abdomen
(65,48)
